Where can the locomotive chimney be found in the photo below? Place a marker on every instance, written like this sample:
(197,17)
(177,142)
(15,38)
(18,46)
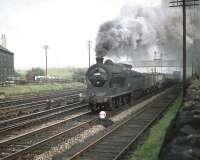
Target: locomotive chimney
(99,60)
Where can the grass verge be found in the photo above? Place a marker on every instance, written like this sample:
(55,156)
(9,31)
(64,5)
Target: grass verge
(151,147)
(38,88)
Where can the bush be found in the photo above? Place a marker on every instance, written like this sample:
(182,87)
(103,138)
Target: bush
(79,75)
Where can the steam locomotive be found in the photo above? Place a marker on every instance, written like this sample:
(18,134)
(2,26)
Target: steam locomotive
(111,85)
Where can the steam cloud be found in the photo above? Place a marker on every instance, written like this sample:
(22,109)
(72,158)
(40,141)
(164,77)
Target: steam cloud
(118,34)
(138,30)
(126,31)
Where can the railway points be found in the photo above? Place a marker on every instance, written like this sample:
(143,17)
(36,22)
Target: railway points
(31,128)
(134,96)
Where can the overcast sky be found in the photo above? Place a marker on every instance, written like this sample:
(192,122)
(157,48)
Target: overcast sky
(65,25)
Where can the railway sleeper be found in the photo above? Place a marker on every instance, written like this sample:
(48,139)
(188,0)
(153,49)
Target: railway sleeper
(135,126)
(20,147)
(127,136)
(127,130)
(145,119)
(95,151)
(107,146)
(103,150)
(4,154)
(110,143)
(96,154)
(115,141)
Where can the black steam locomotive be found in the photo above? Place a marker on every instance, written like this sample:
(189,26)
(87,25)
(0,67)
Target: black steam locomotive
(111,85)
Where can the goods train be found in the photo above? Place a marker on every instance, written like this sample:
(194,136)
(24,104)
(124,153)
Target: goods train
(111,85)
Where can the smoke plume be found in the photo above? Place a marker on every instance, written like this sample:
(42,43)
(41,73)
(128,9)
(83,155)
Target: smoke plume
(125,31)
(136,30)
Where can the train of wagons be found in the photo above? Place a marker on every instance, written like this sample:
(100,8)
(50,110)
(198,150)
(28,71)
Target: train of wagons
(111,85)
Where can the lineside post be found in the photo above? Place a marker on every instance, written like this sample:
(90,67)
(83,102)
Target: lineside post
(46,47)
(184,4)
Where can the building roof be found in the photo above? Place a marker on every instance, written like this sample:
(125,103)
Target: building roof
(5,49)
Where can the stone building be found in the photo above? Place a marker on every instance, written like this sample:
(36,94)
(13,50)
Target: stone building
(6,64)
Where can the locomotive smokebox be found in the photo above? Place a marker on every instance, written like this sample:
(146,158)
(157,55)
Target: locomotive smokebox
(99,60)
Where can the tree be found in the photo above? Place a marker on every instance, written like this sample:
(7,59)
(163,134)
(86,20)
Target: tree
(30,75)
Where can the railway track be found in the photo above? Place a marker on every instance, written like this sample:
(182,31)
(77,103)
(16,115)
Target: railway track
(28,100)
(12,127)
(22,146)
(14,148)
(33,107)
(113,144)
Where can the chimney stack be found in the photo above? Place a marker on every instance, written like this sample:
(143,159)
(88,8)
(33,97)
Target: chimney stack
(99,60)
(3,40)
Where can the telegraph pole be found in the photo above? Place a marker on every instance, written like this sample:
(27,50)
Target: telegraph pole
(46,47)
(184,4)
(161,59)
(89,48)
